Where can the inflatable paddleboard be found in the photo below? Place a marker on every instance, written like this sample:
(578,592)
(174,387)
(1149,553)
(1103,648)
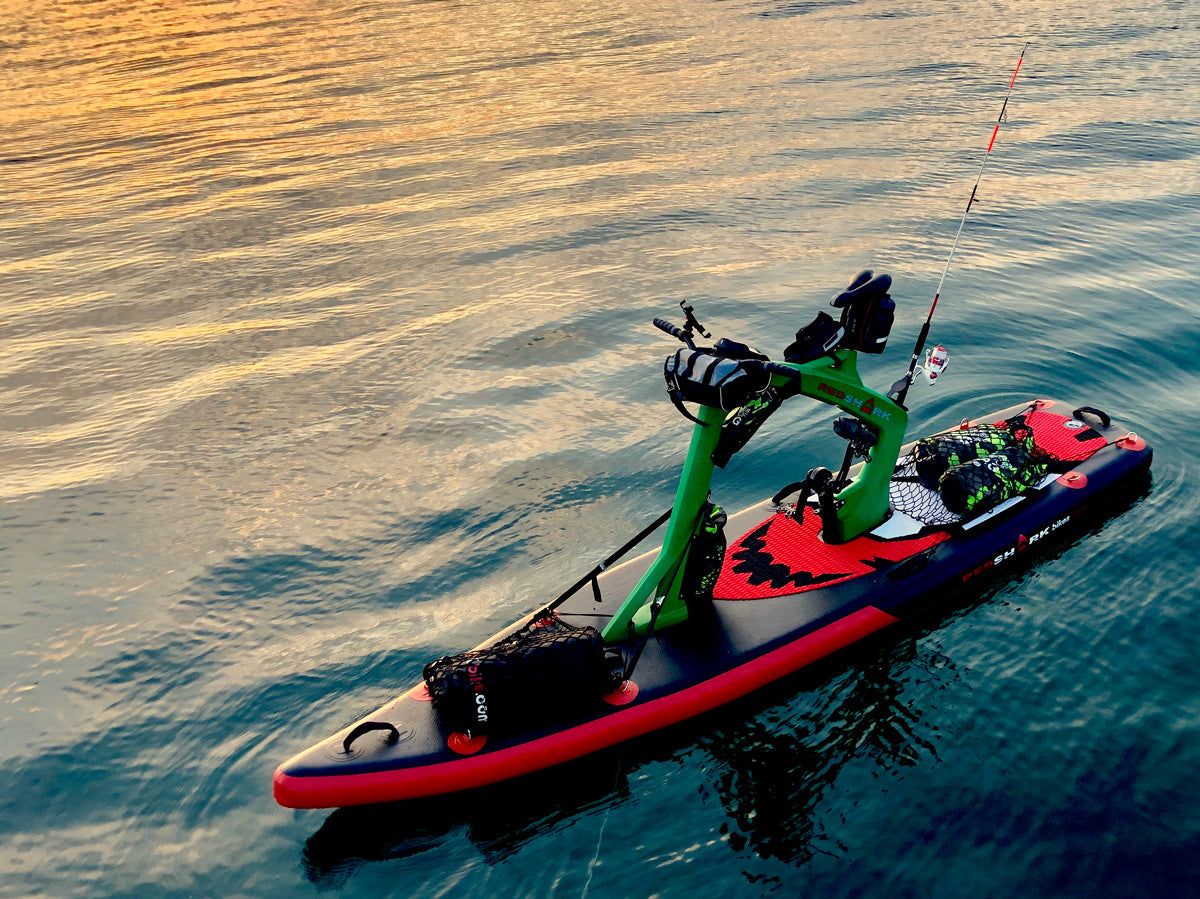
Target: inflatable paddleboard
(699,623)
(785,596)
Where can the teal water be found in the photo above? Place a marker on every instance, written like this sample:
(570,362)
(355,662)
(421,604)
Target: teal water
(326,350)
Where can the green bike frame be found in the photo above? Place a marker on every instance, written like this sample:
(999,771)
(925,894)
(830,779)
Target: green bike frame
(861,505)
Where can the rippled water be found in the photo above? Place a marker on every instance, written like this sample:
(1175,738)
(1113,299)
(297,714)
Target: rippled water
(326,351)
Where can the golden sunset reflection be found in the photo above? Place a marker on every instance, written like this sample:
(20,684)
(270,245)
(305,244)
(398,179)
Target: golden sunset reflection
(327,349)
(244,193)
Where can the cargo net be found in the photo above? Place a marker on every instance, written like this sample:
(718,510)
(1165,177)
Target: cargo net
(953,476)
(540,674)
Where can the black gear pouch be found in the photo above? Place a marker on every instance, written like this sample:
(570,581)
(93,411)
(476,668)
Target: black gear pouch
(535,677)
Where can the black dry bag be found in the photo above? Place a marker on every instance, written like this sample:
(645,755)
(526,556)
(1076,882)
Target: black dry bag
(534,677)
(701,376)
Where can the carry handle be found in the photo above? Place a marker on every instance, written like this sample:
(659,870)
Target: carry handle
(365,728)
(1105,421)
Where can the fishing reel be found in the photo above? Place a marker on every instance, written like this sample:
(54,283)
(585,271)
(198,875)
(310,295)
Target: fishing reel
(935,364)
(933,368)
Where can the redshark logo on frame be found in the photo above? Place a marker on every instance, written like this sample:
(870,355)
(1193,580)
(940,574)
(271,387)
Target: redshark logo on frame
(1023,543)
(866,407)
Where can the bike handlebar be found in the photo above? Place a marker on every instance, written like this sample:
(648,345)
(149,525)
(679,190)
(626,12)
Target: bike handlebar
(775,368)
(778,368)
(674,330)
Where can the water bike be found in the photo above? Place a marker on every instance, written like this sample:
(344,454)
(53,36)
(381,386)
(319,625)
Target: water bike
(636,646)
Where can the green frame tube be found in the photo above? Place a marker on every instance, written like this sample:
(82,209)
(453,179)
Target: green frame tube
(664,576)
(862,504)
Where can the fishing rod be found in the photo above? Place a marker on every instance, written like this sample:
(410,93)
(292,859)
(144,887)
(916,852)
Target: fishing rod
(900,389)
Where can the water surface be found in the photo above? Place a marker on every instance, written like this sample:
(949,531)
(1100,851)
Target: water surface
(326,350)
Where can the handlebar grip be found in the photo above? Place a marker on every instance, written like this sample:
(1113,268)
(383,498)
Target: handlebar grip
(674,331)
(778,368)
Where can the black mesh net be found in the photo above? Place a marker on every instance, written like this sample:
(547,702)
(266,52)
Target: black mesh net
(537,675)
(948,477)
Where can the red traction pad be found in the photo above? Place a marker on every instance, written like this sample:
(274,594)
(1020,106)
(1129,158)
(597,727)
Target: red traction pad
(781,557)
(1066,438)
